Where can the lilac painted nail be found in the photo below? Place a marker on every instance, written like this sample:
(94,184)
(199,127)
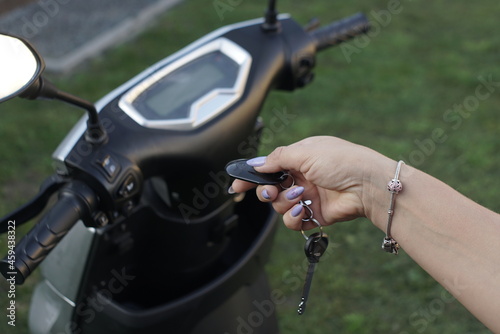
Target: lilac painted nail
(265,194)
(257,162)
(297,210)
(294,193)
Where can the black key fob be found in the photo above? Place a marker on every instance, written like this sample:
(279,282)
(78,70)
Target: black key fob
(239,169)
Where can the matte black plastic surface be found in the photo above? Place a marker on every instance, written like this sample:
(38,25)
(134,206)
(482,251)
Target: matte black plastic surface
(165,286)
(75,202)
(239,169)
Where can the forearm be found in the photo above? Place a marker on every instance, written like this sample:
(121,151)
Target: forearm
(453,238)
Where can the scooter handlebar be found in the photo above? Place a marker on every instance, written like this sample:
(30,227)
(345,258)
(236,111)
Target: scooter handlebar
(341,31)
(76,201)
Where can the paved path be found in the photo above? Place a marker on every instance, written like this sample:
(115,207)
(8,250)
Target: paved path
(66,32)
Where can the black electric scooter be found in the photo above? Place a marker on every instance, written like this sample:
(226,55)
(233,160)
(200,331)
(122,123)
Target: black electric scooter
(143,237)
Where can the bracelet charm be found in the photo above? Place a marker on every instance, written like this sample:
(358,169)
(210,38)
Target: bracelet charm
(394,186)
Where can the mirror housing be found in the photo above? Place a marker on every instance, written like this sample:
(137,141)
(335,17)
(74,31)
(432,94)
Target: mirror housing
(20,66)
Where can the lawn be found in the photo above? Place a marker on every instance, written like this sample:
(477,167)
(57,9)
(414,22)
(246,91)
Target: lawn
(410,89)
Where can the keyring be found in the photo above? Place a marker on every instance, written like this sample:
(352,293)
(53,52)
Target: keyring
(319,226)
(306,204)
(286,175)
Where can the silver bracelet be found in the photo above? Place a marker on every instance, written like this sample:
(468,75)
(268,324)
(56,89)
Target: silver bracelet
(394,186)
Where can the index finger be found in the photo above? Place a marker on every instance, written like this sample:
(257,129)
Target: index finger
(282,158)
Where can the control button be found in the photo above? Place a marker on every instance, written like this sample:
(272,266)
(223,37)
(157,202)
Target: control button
(128,186)
(109,165)
(127,208)
(101,219)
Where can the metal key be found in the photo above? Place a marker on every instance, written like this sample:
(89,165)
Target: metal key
(314,248)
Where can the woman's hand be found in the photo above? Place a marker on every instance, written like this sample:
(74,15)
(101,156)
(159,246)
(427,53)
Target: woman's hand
(334,174)
(442,230)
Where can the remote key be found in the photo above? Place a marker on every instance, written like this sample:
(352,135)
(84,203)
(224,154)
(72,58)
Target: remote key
(239,169)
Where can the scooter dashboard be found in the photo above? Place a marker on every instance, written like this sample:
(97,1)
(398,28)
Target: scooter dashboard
(191,90)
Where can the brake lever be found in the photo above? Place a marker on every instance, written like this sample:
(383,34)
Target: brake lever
(36,205)
(313,24)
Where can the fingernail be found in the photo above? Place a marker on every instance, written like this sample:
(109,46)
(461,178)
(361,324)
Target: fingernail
(297,210)
(257,162)
(265,194)
(294,193)
(231,191)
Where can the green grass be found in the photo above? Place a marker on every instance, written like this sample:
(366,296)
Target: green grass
(392,94)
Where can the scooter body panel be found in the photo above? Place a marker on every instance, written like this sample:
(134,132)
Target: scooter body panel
(53,301)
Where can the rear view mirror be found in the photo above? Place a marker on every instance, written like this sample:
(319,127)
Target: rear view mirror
(20,66)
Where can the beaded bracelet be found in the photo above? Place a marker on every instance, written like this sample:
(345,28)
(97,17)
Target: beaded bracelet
(394,186)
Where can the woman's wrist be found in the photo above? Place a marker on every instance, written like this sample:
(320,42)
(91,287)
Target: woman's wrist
(376,197)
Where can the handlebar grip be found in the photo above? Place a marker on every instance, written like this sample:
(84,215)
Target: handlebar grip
(76,201)
(341,31)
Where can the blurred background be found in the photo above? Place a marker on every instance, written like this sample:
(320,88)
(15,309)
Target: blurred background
(409,90)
